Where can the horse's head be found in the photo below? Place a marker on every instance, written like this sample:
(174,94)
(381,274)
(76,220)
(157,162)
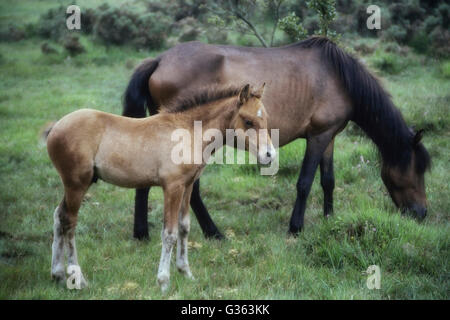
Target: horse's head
(407,186)
(250,123)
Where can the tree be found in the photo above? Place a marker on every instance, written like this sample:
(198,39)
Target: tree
(241,14)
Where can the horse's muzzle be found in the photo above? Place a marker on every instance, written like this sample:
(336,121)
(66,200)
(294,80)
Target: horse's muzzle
(416,211)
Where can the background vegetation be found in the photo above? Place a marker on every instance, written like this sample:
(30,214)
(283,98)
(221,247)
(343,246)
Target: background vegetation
(48,71)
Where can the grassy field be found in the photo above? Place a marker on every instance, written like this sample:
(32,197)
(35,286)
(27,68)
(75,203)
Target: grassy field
(258,260)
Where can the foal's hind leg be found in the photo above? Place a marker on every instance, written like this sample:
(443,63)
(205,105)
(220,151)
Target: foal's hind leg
(58,270)
(65,221)
(73,200)
(183,232)
(173,196)
(327,179)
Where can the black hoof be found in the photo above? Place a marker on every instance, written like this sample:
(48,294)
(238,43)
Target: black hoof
(294,231)
(141,235)
(214,235)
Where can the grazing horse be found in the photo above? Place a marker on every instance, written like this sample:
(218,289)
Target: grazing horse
(87,145)
(313,89)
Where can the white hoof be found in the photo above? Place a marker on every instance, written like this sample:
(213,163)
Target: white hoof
(59,276)
(186,272)
(163,281)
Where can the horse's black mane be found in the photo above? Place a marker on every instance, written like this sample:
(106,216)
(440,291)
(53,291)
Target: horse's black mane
(197,99)
(374,111)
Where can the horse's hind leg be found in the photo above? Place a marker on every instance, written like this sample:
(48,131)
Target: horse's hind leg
(140,230)
(327,179)
(183,232)
(173,196)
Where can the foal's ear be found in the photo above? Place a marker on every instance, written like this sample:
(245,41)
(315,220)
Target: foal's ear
(259,93)
(244,95)
(418,137)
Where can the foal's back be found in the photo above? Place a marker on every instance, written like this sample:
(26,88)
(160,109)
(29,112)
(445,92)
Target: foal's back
(123,151)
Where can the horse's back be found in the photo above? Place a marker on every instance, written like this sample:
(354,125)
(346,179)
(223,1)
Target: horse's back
(297,81)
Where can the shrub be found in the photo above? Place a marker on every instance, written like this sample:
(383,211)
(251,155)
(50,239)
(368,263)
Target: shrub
(445,69)
(388,62)
(13,33)
(73,46)
(292,27)
(52,24)
(396,33)
(46,48)
(120,26)
(420,42)
(440,42)
(188,29)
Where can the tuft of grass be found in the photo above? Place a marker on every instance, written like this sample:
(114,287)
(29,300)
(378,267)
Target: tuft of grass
(388,63)
(445,69)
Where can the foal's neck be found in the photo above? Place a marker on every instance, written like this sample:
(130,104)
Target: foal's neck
(217,115)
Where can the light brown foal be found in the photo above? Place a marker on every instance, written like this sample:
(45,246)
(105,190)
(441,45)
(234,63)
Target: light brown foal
(87,144)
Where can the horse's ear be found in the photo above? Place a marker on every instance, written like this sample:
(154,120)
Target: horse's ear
(418,137)
(259,93)
(244,95)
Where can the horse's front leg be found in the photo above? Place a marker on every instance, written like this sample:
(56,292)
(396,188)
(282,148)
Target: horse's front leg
(315,148)
(327,179)
(173,196)
(183,232)
(201,213)
(140,230)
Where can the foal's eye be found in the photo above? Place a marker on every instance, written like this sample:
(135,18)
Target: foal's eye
(248,123)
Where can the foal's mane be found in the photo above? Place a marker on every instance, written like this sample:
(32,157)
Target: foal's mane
(200,98)
(374,110)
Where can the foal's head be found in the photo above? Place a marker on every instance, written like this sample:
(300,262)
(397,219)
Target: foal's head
(407,186)
(250,123)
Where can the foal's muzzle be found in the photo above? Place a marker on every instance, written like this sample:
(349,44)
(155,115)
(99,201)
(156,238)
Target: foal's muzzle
(266,154)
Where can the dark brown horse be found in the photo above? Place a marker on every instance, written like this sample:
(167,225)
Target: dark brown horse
(313,89)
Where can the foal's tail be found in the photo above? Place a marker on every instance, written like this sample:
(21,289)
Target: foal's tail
(137,96)
(45,131)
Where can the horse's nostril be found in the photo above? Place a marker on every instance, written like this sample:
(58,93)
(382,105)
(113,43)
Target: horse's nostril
(269,155)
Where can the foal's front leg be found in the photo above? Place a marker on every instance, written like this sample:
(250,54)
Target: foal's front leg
(173,196)
(183,232)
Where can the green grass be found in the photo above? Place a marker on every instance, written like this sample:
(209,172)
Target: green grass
(258,260)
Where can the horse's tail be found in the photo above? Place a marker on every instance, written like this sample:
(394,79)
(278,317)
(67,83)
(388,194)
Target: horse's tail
(137,96)
(45,131)
(373,109)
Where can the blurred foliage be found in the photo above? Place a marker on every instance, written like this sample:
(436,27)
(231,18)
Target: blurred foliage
(155,24)
(293,28)
(445,69)
(326,10)
(122,25)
